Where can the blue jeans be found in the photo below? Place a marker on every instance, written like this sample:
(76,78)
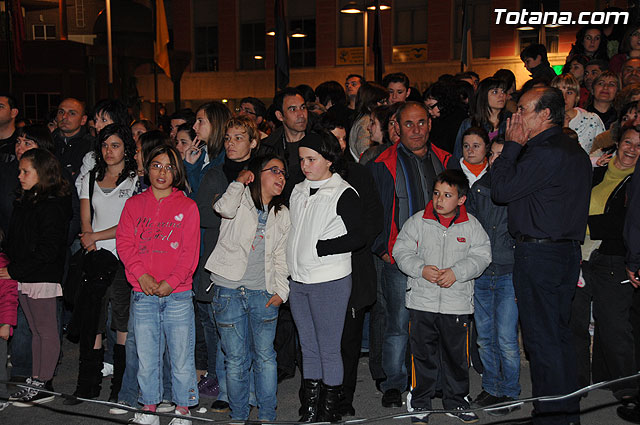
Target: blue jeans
(243,321)
(20,347)
(129,392)
(396,332)
(496,317)
(221,373)
(210,337)
(165,322)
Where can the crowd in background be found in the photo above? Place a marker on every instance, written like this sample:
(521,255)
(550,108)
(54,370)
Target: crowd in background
(213,253)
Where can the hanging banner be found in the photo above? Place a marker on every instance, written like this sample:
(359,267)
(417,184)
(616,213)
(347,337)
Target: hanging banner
(349,56)
(410,53)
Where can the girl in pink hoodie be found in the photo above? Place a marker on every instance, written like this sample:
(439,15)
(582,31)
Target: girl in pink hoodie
(158,240)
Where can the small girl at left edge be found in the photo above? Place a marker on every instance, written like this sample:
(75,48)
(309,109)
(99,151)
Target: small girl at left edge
(158,240)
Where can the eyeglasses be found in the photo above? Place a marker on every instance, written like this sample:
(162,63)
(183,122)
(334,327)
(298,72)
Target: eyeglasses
(245,110)
(275,170)
(158,167)
(432,107)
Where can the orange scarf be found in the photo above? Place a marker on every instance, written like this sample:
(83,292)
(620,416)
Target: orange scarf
(476,169)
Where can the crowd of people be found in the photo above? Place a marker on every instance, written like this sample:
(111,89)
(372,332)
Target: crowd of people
(212,255)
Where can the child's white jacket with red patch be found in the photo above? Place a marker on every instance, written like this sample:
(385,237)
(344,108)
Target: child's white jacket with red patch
(464,247)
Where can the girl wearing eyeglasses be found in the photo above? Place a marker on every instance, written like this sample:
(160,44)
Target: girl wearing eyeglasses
(241,141)
(158,240)
(249,282)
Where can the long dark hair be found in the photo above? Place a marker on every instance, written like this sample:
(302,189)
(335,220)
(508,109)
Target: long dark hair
(625,46)
(217,115)
(480,113)
(51,182)
(578,47)
(40,134)
(384,114)
(581,59)
(447,95)
(123,132)
(256,166)
(368,97)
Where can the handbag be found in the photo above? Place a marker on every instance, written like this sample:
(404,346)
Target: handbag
(97,271)
(74,276)
(73,279)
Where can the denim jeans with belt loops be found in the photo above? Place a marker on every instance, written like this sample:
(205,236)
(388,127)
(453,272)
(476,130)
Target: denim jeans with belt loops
(166,322)
(247,329)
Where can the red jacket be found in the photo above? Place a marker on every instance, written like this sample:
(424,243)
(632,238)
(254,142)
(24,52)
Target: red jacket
(383,170)
(8,298)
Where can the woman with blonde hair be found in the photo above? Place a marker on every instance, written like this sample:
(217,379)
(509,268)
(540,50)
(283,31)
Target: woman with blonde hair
(587,124)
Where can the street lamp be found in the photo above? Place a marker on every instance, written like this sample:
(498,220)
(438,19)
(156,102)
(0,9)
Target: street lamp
(297,33)
(353,8)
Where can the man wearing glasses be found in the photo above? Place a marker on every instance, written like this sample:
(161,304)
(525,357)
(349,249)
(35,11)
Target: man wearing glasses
(351,86)
(255,109)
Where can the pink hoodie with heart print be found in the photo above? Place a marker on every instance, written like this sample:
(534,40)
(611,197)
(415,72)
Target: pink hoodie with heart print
(161,238)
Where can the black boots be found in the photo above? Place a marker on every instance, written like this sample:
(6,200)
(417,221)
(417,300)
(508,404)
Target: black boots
(119,363)
(310,400)
(329,401)
(320,402)
(89,376)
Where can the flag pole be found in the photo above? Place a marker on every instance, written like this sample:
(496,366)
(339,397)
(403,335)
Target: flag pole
(365,24)
(109,48)
(155,66)
(9,56)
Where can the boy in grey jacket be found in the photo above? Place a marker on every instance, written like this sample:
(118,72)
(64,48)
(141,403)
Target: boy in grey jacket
(442,250)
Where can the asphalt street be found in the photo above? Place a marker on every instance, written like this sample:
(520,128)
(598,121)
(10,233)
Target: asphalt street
(596,409)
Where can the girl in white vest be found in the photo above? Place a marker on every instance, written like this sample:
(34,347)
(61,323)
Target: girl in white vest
(325,227)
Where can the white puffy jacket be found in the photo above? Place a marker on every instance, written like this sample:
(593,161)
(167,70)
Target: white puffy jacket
(237,231)
(314,218)
(464,247)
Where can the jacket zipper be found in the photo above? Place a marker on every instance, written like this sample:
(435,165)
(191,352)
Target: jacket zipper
(615,193)
(444,243)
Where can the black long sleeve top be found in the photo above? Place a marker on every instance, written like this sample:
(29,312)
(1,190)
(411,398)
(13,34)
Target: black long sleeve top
(546,184)
(632,222)
(349,208)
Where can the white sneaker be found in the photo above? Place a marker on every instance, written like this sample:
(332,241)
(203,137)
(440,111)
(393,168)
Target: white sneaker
(119,411)
(3,405)
(180,421)
(21,392)
(142,418)
(166,407)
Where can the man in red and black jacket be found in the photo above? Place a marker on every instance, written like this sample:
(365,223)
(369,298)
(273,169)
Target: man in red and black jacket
(404,174)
